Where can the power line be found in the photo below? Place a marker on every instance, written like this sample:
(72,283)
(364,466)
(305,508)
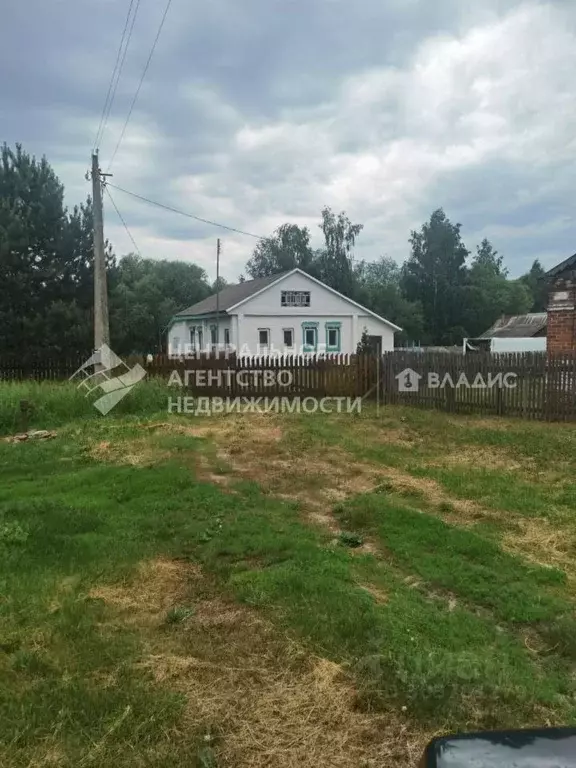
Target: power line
(168,4)
(122,220)
(120,68)
(116,72)
(188,215)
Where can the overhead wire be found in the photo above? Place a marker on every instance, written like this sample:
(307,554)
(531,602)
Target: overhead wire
(137,92)
(122,220)
(184,213)
(116,72)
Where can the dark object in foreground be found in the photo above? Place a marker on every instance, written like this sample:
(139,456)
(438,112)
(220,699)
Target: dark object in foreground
(532,748)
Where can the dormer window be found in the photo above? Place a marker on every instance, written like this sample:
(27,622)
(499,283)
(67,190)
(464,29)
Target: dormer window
(295,298)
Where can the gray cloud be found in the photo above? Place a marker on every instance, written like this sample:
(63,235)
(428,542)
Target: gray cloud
(264,111)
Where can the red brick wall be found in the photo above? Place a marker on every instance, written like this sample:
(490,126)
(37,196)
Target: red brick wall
(561,326)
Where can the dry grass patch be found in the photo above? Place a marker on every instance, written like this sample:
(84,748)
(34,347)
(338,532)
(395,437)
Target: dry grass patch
(487,458)
(261,700)
(137,452)
(159,584)
(543,543)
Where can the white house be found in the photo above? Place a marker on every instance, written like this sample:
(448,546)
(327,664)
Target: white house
(287,313)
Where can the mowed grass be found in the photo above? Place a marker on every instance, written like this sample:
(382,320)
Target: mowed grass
(446,617)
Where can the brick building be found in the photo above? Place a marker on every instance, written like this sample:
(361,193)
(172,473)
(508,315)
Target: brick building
(562,307)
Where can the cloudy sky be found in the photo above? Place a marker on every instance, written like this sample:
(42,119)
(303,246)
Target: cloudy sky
(258,112)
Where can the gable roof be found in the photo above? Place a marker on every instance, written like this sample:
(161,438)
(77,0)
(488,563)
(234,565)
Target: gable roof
(517,326)
(231,295)
(569,263)
(282,275)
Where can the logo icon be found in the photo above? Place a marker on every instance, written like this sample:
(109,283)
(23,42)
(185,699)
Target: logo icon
(408,380)
(96,374)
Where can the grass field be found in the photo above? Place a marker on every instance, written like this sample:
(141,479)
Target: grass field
(278,590)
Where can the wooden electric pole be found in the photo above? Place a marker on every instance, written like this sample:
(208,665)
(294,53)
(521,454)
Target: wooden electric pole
(101,323)
(218,296)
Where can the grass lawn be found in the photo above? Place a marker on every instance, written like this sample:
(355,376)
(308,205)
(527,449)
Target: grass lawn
(278,590)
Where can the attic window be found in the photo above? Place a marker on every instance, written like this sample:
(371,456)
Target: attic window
(295,298)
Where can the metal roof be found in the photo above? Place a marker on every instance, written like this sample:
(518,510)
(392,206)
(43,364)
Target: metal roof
(569,263)
(517,326)
(231,295)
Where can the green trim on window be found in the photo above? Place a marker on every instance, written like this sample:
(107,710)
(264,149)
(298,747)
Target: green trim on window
(333,325)
(307,325)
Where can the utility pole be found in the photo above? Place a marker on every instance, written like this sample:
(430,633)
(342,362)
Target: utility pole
(218,296)
(101,323)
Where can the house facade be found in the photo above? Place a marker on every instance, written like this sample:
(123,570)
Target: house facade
(290,313)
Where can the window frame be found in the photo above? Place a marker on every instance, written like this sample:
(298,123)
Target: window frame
(267,332)
(308,325)
(291,332)
(297,299)
(333,325)
(213,336)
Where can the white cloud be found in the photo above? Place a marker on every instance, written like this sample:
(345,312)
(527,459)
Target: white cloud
(253,117)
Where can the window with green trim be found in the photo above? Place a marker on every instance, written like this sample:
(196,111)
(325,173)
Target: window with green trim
(310,336)
(333,336)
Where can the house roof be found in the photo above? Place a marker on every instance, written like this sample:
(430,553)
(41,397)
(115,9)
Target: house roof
(516,326)
(230,296)
(569,263)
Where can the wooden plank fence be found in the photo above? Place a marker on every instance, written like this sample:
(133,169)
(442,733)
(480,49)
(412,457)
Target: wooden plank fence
(527,385)
(530,385)
(40,368)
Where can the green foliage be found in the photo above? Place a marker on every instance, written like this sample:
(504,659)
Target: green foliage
(489,294)
(286,248)
(57,403)
(378,287)
(45,253)
(335,261)
(536,283)
(364,346)
(351,540)
(178,614)
(435,276)
(144,295)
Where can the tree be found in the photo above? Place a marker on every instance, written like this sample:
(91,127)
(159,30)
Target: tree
(488,259)
(364,346)
(335,262)
(287,248)
(144,295)
(45,301)
(489,293)
(378,288)
(536,282)
(435,276)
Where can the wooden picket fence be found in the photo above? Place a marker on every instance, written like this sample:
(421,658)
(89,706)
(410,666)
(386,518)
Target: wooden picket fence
(228,375)
(528,385)
(531,385)
(40,368)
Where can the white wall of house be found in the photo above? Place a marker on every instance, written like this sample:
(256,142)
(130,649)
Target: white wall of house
(350,331)
(180,338)
(266,311)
